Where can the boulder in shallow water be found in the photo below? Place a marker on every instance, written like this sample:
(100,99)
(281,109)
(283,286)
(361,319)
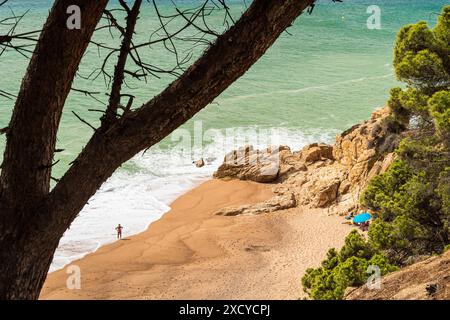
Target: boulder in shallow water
(199,163)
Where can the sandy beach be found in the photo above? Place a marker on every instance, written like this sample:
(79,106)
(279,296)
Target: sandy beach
(190,253)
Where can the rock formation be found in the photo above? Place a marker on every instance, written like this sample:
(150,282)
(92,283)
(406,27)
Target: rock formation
(199,163)
(319,175)
(279,202)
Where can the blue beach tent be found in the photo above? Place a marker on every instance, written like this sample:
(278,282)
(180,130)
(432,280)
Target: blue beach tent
(363,217)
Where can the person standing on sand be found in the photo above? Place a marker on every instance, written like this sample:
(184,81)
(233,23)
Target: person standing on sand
(119,231)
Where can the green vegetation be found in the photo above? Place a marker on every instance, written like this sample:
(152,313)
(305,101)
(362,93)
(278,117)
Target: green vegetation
(412,198)
(347,268)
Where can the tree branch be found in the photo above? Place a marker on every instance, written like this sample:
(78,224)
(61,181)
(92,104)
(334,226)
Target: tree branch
(119,71)
(84,121)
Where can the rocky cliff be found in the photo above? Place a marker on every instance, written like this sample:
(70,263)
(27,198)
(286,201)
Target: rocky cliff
(319,175)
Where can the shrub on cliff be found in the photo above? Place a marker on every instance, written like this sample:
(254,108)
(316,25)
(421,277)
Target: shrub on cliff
(412,198)
(413,206)
(347,268)
(422,61)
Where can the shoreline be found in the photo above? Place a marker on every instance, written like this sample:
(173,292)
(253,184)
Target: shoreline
(131,233)
(190,253)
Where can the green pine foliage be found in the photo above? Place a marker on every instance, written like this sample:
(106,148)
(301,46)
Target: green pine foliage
(347,268)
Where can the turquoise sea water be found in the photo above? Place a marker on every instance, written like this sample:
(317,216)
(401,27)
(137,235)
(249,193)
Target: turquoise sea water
(329,72)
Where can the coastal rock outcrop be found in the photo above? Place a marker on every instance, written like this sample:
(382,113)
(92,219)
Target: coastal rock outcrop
(246,163)
(319,175)
(280,202)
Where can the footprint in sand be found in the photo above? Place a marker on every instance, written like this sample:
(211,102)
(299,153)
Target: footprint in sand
(257,248)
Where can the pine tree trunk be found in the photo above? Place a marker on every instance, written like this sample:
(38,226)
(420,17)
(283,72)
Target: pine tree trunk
(28,237)
(25,257)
